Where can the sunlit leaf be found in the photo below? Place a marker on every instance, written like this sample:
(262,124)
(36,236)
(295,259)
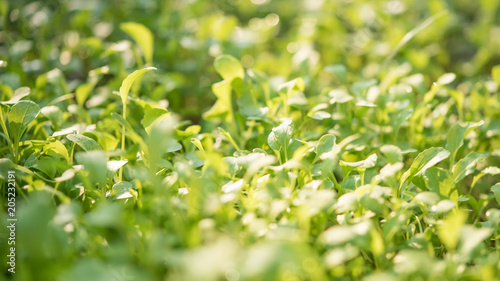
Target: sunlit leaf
(129,80)
(142,36)
(281,135)
(449,230)
(20,116)
(425,160)
(229,68)
(84,142)
(458,132)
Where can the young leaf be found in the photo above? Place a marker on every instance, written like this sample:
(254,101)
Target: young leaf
(84,142)
(54,114)
(281,135)
(495,74)
(455,138)
(392,153)
(425,160)
(198,144)
(471,237)
(18,95)
(339,96)
(449,230)
(466,165)
(113,166)
(228,68)
(152,117)
(161,141)
(222,90)
(401,117)
(339,70)
(131,78)
(288,87)
(360,166)
(136,137)
(20,116)
(56,149)
(327,147)
(82,93)
(496,190)
(120,190)
(446,78)
(95,164)
(142,36)
(363,164)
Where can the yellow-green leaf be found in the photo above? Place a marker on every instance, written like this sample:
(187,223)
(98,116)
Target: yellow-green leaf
(142,36)
(84,142)
(228,67)
(20,116)
(131,78)
(495,73)
(449,230)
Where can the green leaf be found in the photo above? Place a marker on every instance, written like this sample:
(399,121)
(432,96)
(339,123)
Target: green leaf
(153,116)
(130,131)
(5,165)
(427,198)
(84,142)
(142,36)
(121,190)
(229,138)
(113,166)
(95,164)
(339,96)
(198,144)
(288,87)
(401,117)
(425,160)
(327,148)
(359,166)
(281,135)
(471,237)
(82,93)
(54,114)
(392,153)
(495,74)
(161,141)
(131,78)
(363,164)
(20,116)
(390,170)
(337,235)
(437,180)
(467,165)
(66,175)
(456,135)
(228,67)
(491,170)
(19,93)
(222,90)
(56,149)
(496,191)
(446,78)
(444,206)
(339,70)
(450,228)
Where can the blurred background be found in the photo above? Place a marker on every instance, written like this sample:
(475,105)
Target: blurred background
(310,38)
(57,48)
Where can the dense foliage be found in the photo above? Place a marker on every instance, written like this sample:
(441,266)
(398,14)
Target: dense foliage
(251,140)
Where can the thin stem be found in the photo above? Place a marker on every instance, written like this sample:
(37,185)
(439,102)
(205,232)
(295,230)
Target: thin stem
(120,176)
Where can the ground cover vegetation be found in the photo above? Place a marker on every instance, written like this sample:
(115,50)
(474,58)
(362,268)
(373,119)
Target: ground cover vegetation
(251,140)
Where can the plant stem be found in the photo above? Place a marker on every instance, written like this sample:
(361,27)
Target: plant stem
(120,175)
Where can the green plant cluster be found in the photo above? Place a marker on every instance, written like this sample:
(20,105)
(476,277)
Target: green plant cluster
(254,140)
